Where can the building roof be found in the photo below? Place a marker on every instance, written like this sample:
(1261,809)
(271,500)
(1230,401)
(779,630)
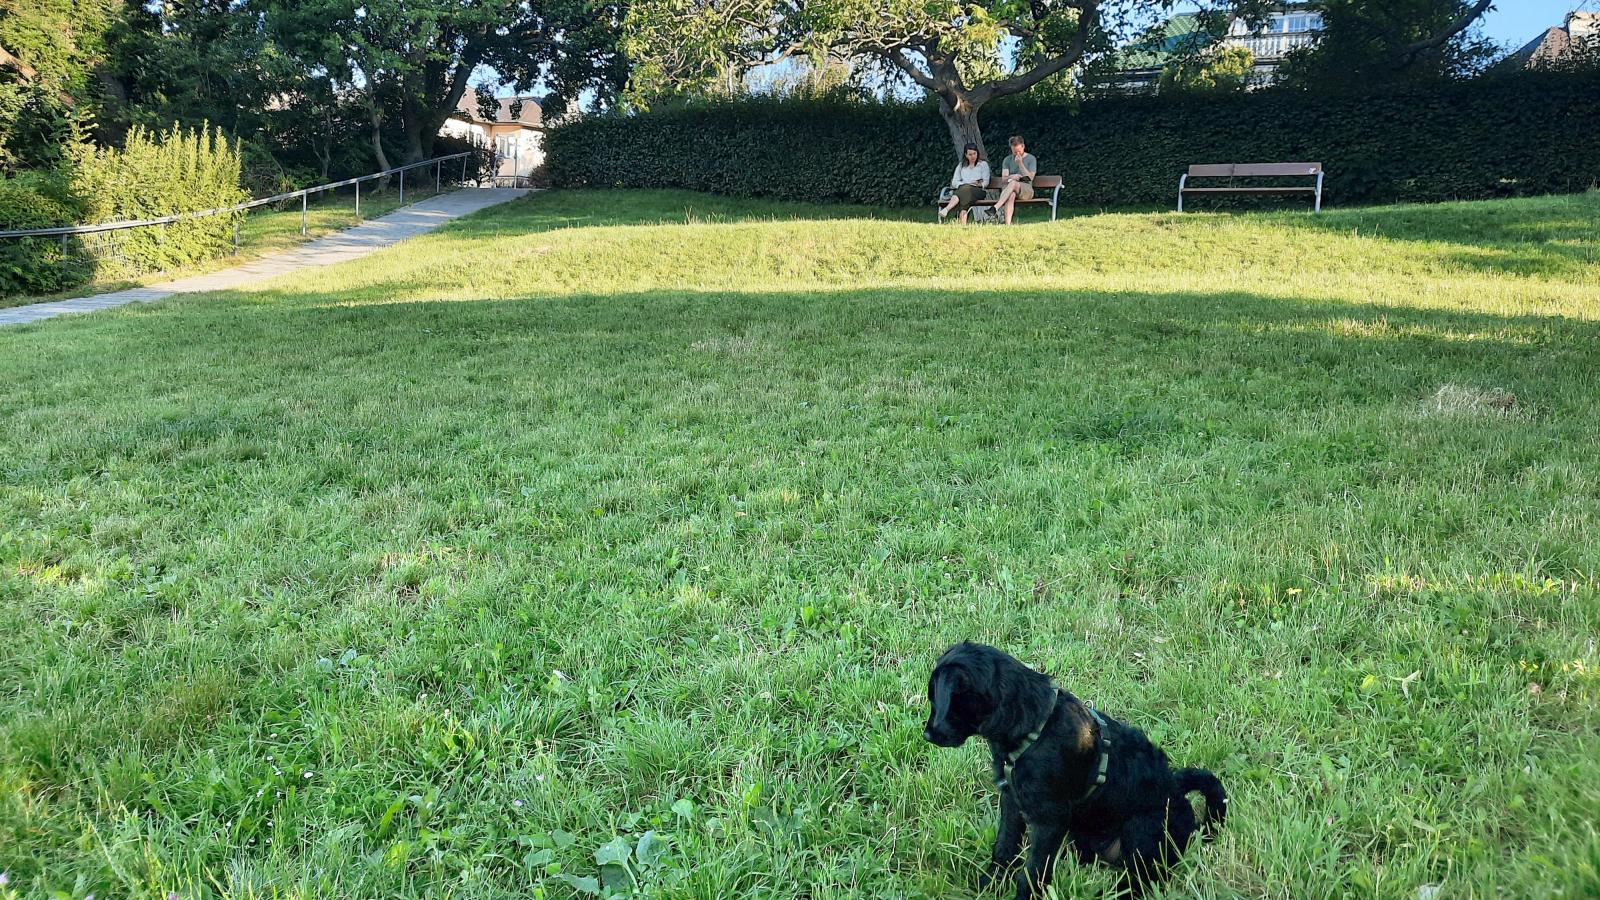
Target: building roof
(1554,45)
(1156,46)
(532,112)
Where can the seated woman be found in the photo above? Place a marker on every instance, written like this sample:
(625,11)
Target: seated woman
(968,183)
(1018,171)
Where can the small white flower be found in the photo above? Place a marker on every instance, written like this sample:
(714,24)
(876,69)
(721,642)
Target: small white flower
(517,803)
(308,774)
(5,879)
(538,778)
(173,895)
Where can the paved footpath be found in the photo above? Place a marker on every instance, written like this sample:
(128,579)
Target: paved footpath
(352,243)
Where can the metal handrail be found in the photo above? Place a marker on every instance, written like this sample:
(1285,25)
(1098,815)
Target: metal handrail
(303,193)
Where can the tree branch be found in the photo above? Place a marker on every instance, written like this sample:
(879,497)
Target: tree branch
(898,57)
(1409,53)
(1088,20)
(29,73)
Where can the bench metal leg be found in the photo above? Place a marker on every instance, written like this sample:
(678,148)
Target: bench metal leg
(1318,207)
(1182,180)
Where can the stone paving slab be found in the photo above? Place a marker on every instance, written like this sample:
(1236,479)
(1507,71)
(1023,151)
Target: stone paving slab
(352,243)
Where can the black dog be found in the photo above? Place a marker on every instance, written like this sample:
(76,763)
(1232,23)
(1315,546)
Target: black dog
(1066,770)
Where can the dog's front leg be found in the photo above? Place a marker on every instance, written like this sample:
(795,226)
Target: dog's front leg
(1007,840)
(1041,865)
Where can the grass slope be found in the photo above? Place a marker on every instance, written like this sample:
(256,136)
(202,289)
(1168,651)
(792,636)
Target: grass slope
(624,528)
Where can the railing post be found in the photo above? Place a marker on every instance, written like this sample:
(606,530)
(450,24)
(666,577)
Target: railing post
(236,237)
(402,187)
(436,165)
(358,199)
(463,170)
(303,213)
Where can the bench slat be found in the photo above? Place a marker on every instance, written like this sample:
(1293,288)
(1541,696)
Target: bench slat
(1244,190)
(1228,170)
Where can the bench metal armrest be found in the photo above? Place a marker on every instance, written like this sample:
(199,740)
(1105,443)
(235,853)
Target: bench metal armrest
(1182,181)
(1055,196)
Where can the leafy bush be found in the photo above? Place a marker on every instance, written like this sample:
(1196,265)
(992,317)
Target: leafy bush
(1223,70)
(160,175)
(35,265)
(1528,134)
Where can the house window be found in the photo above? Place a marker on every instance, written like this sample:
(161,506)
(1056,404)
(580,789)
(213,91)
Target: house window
(505,145)
(1301,22)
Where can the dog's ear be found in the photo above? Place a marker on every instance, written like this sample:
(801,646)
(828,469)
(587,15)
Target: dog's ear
(956,705)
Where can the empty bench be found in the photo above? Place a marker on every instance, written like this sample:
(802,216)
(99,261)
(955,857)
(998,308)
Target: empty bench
(1041,183)
(1255,170)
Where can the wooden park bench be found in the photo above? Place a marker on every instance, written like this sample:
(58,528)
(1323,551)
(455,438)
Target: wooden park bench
(1254,170)
(1041,183)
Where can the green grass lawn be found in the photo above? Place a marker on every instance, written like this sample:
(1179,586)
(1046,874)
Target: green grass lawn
(262,231)
(607,526)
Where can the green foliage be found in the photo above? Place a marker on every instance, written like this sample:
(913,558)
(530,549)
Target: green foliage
(59,46)
(1367,43)
(1520,135)
(1220,70)
(155,175)
(35,265)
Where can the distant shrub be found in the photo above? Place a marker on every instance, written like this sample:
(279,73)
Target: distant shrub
(151,176)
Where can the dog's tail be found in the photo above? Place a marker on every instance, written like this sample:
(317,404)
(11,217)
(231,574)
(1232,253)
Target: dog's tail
(1190,780)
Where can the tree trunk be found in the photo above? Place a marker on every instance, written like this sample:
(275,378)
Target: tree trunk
(418,141)
(961,116)
(377,143)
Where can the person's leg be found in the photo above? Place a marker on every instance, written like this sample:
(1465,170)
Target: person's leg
(945,210)
(1006,194)
(966,195)
(1010,207)
(1022,191)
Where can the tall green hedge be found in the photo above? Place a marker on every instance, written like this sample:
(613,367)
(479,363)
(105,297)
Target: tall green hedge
(149,177)
(1527,134)
(152,176)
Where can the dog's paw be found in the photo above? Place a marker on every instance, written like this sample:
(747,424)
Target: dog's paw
(993,873)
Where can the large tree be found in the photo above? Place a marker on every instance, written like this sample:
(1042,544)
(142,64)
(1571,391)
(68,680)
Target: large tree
(1365,43)
(966,54)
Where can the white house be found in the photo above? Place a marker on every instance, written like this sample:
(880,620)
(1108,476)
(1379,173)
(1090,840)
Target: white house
(518,141)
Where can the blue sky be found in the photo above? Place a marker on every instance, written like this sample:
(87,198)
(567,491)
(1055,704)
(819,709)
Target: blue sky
(1517,22)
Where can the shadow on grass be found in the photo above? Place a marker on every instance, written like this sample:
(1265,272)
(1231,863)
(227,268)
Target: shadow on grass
(1234,342)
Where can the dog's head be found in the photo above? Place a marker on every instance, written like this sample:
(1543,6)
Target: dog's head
(962,694)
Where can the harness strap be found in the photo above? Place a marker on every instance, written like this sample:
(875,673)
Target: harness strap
(1102,765)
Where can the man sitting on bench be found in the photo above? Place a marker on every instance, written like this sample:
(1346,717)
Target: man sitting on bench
(1018,171)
